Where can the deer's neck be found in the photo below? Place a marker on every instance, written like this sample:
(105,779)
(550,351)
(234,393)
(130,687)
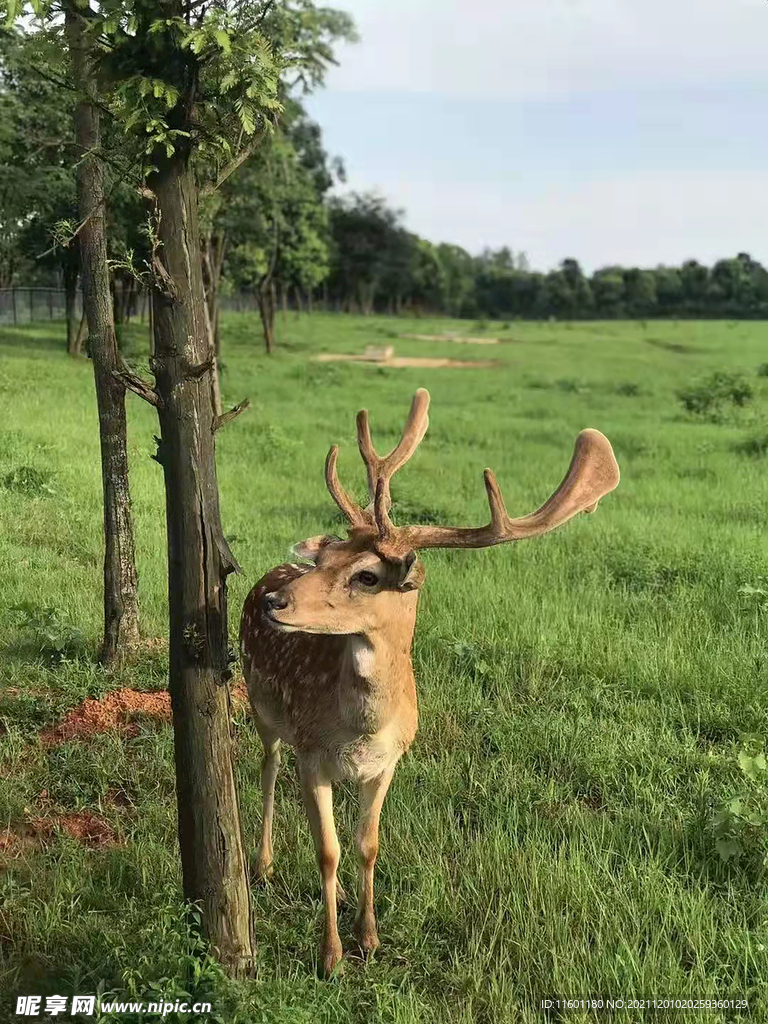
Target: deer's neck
(381,658)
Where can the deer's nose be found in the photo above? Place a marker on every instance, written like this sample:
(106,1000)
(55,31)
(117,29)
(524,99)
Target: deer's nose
(274,602)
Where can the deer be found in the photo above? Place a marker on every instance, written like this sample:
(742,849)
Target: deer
(326,647)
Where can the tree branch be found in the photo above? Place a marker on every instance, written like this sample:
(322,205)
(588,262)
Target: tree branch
(133,382)
(231,167)
(163,280)
(227,417)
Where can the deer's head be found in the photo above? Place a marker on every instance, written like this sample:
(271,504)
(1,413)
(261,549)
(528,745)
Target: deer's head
(358,584)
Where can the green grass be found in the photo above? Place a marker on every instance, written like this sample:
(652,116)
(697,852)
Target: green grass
(582,696)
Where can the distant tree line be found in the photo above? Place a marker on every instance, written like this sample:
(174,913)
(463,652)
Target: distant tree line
(277,229)
(377,265)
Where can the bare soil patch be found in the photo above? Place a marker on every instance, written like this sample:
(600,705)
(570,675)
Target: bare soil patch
(88,828)
(118,710)
(402,361)
(459,339)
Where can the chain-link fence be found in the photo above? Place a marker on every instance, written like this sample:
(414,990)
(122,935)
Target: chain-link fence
(25,305)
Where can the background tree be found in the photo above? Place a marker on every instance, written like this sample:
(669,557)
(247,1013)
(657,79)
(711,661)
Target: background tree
(121,625)
(192,82)
(37,179)
(273,217)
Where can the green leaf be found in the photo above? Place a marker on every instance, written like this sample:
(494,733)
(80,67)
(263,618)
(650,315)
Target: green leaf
(753,765)
(729,849)
(222,38)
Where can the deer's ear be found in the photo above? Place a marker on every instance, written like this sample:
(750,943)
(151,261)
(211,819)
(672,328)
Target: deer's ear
(412,573)
(308,550)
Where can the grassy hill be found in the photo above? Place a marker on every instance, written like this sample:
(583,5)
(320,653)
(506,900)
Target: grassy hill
(582,696)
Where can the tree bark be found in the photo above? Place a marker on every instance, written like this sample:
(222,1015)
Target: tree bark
(121,627)
(82,333)
(264,297)
(71,274)
(213,261)
(199,561)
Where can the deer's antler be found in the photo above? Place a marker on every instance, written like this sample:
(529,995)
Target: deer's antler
(379,469)
(592,474)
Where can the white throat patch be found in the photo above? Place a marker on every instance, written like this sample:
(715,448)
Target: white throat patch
(363,657)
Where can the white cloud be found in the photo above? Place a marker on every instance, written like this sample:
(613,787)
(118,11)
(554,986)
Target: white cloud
(531,48)
(640,219)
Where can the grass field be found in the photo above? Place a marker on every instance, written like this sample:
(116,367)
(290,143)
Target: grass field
(582,695)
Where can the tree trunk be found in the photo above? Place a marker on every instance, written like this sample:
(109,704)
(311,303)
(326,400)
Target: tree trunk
(199,561)
(128,297)
(121,627)
(215,381)
(213,261)
(71,274)
(265,299)
(82,332)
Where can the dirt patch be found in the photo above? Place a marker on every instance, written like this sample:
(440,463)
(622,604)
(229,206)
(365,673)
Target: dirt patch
(13,844)
(88,828)
(115,711)
(402,361)
(459,339)
(118,710)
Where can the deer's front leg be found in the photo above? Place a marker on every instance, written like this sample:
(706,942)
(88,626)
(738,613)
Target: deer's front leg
(318,801)
(372,795)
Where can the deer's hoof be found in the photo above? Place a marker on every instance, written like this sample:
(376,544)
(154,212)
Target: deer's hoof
(262,869)
(366,934)
(332,957)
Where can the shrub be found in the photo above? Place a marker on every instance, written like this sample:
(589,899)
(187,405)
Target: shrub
(762,370)
(53,637)
(629,389)
(741,824)
(35,483)
(755,446)
(571,385)
(706,397)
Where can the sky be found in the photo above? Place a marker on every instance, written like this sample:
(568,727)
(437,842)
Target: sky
(611,131)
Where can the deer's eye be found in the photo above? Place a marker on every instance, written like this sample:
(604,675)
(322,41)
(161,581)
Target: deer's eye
(368,579)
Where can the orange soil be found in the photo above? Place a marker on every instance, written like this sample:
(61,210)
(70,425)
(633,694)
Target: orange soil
(117,710)
(88,828)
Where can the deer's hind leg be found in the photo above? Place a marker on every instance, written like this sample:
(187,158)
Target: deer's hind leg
(270,765)
(372,794)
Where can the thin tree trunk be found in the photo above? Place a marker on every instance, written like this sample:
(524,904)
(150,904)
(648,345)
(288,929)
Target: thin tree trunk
(70,304)
(273,309)
(215,382)
(267,312)
(199,561)
(121,627)
(212,262)
(82,332)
